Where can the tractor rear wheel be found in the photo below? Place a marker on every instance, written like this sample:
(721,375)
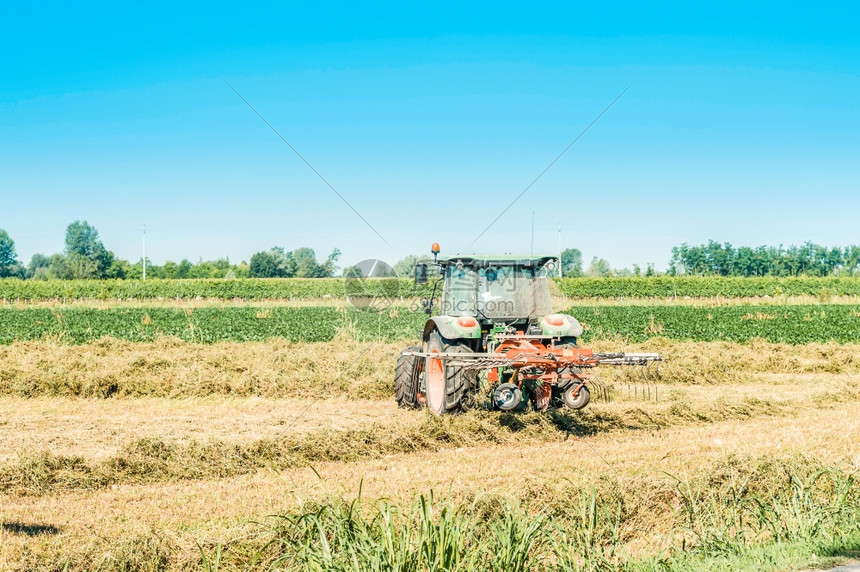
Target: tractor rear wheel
(445,385)
(407,379)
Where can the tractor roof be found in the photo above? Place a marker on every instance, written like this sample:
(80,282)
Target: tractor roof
(481,261)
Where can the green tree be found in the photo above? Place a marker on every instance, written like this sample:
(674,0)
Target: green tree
(135,271)
(82,240)
(307,266)
(8,256)
(118,269)
(184,269)
(264,265)
(73,267)
(273,263)
(242,270)
(222,267)
(406,266)
(724,260)
(852,259)
(571,262)
(170,269)
(599,267)
(38,267)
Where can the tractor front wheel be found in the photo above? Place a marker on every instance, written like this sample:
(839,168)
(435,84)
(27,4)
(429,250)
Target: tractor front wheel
(407,378)
(445,385)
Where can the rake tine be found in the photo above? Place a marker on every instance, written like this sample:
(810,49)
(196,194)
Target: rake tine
(647,382)
(648,373)
(603,388)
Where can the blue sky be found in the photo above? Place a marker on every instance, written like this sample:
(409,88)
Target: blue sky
(743,125)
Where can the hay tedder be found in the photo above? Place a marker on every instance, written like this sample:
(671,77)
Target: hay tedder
(496,343)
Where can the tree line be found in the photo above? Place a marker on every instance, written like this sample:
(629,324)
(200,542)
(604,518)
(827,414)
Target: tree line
(86,257)
(808,259)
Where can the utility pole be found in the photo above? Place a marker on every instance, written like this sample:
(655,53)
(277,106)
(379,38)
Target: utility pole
(559,251)
(144,253)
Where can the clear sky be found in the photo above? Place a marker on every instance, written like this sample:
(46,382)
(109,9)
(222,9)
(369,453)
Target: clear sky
(743,125)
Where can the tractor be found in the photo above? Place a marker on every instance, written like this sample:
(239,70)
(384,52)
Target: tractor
(496,343)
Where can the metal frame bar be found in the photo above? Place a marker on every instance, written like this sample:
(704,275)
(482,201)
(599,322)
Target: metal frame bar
(491,360)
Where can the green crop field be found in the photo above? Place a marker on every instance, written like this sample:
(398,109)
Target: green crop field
(206,325)
(791,324)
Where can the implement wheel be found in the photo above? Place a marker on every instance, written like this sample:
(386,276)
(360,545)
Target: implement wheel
(407,379)
(578,401)
(565,343)
(445,385)
(508,397)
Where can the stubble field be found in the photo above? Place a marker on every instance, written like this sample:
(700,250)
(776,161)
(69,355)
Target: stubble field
(288,453)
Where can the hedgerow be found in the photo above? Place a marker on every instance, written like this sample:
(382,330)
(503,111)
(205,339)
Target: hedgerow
(12,290)
(707,287)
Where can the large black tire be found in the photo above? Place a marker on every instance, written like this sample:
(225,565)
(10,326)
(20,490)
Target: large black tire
(407,379)
(446,386)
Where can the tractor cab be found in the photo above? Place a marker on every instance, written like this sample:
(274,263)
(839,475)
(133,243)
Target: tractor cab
(482,296)
(496,288)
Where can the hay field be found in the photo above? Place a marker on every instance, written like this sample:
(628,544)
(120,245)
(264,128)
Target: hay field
(278,455)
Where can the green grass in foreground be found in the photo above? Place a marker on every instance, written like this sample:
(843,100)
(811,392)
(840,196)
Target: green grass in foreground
(790,324)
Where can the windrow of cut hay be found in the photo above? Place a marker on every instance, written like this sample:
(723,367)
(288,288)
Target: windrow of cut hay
(157,459)
(344,368)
